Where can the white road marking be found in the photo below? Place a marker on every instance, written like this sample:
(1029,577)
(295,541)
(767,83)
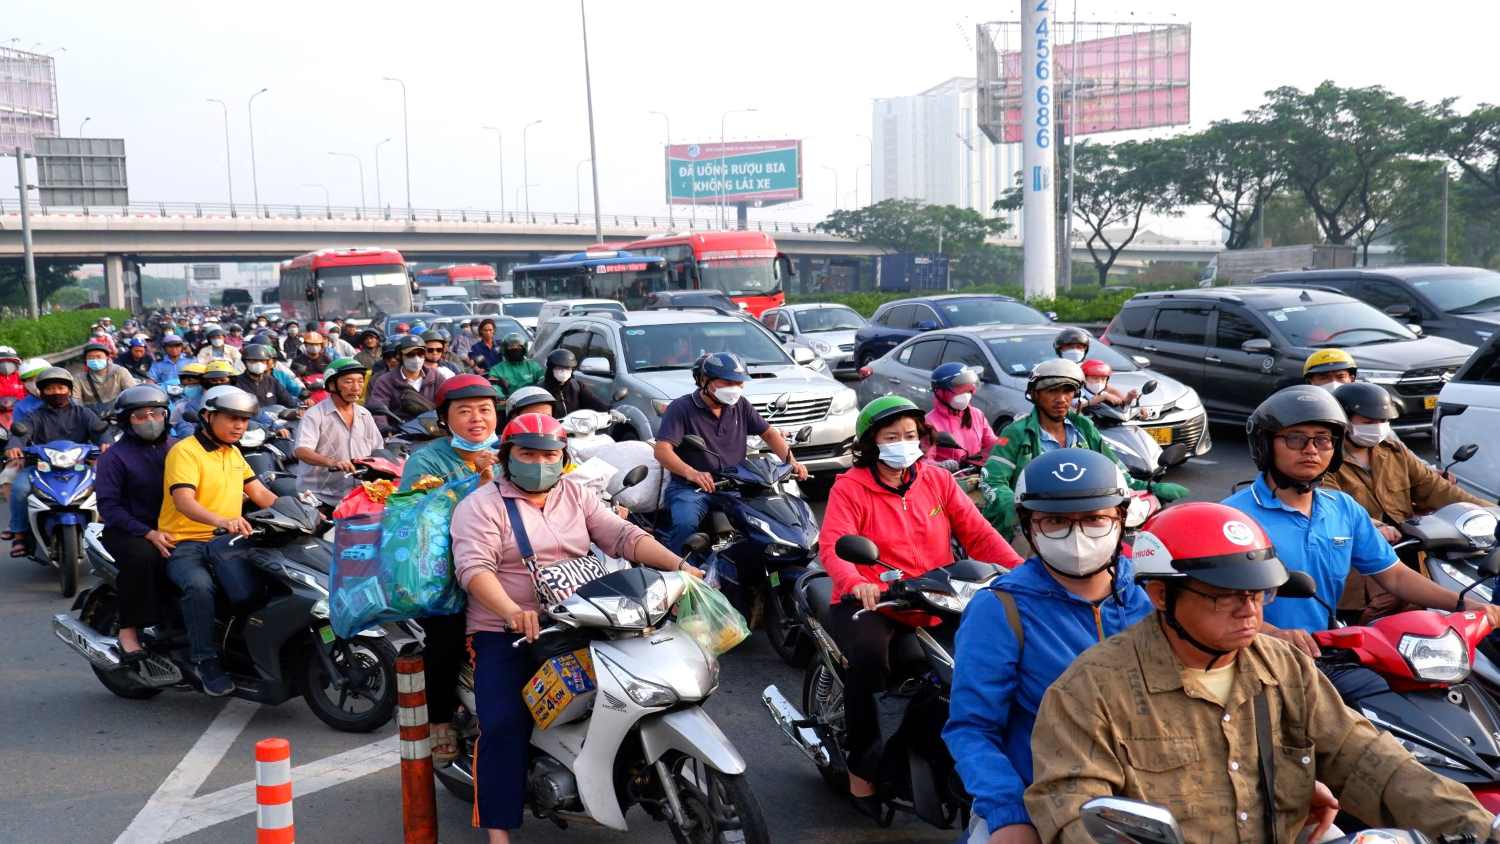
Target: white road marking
(1204,461)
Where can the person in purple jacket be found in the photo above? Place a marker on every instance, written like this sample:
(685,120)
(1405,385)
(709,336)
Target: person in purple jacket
(128,483)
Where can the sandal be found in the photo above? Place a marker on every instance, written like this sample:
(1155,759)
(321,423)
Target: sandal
(18,547)
(444,745)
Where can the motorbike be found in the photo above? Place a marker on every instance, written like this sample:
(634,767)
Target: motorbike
(60,505)
(276,647)
(414,433)
(1119,426)
(270,458)
(1143,502)
(918,774)
(644,738)
(1117,820)
(316,389)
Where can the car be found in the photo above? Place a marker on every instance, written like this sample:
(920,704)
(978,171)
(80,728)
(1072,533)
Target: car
(1468,412)
(523,309)
(895,321)
(1460,303)
(1238,345)
(266,311)
(433,293)
(644,361)
(411,318)
(487,306)
(827,329)
(547,317)
(1005,355)
(449,307)
(712,300)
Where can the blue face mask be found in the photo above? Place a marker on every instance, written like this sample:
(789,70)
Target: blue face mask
(96,364)
(193,392)
(461,444)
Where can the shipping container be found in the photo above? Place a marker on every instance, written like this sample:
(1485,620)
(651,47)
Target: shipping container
(904,271)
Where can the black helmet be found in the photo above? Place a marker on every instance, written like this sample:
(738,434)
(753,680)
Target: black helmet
(367,332)
(55,375)
(392,348)
(1295,405)
(1361,398)
(513,339)
(139,396)
(431,335)
(256,351)
(95,347)
(562,359)
(1071,336)
(1071,480)
(230,400)
(408,343)
(216,331)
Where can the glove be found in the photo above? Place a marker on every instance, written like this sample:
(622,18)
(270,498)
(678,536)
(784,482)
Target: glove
(949,465)
(1169,492)
(616,416)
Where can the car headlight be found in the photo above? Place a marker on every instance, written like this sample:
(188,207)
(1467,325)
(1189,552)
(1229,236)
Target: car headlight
(1444,659)
(64,458)
(951,603)
(1189,400)
(844,402)
(1380,376)
(640,691)
(1479,527)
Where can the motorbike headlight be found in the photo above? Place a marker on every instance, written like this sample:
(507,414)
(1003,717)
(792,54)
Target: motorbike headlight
(622,612)
(966,591)
(304,578)
(951,603)
(1380,376)
(1479,527)
(81,493)
(1443,659)
(64,458)
(640,691)
(320,609)
(844,402)
(658,601)
(253,438)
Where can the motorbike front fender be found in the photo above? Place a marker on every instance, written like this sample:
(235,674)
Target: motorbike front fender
(69,517)
(693,733)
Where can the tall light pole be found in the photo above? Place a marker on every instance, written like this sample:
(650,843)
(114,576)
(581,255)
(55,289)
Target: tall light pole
(526,167)
(667,166)
(870,164)
(578,186)
(588,88)
(723,174)
(835,173)
(520,188)
(83,124)
(254,178)
(228,167)
(327,198)
(500,160)
(405,141)
(379,200)
(361,166)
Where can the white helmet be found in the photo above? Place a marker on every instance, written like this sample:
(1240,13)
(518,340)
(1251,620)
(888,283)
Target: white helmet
(1053,372)
(231,400)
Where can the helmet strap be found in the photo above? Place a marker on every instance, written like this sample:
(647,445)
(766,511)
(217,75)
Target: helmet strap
(1282,480)
(1214,655)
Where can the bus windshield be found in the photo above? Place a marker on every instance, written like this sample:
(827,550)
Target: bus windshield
(739,276)
(361,292)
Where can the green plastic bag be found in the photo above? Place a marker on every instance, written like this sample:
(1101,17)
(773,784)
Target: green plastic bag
(707,616)
(416,548)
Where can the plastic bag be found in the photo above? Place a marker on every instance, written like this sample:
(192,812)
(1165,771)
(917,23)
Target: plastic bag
(706,615)
(366,497)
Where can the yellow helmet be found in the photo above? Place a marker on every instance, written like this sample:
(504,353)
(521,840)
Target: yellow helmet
(218,367)
(1329,360)
(194,368)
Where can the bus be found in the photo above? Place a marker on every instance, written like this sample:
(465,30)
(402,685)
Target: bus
(605,274)
(746,265)
(478,279)
(352,284)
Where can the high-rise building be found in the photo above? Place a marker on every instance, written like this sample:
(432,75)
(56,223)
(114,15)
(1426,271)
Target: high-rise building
(929,147)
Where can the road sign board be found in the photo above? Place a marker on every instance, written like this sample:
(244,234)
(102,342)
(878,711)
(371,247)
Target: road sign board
(751,172)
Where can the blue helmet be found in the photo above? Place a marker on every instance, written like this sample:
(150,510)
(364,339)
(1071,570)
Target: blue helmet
(726,366)
(1071,480)
(951,375)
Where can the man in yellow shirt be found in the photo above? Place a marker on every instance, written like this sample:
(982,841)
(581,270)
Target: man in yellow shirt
(206,482)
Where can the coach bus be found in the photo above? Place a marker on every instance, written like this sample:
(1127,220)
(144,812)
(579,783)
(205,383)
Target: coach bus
(478,279)
(622,276)
(350,284)
(746,265)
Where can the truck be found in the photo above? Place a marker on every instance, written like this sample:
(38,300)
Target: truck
(911,271)
(1239,266)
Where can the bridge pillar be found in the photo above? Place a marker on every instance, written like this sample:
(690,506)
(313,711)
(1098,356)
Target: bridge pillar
(122,281)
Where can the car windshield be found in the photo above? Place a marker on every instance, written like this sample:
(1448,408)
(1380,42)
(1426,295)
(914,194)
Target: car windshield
(449,308)
(650,348)
(988,312)
(486,307)
(1337,324)
(1016,356)
(507,325)
(522,309)
(1462,293)
(827,319)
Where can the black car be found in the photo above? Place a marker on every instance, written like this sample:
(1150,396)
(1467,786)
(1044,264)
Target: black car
(672,300)
(895,321)
(1237,345)
(1460,303)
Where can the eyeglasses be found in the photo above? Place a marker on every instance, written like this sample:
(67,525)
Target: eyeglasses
(432,351)
(1297,442)
(1229,601)
(1096,526)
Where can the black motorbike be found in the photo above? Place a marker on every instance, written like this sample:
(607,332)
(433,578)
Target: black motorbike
(278,646)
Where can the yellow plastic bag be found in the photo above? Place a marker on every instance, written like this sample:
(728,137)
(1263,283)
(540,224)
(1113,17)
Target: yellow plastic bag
(706,615)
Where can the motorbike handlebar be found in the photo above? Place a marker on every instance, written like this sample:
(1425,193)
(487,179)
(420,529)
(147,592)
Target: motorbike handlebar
(545,631)
(880,606)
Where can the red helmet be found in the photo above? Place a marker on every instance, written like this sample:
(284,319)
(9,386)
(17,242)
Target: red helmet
(465,387)
(535,430)
(1214,543)
(1096,369)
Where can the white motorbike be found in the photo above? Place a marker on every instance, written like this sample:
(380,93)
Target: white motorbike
(1116,820)
(1136,448)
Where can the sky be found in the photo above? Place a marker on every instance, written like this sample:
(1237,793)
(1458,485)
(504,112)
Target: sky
(144,71)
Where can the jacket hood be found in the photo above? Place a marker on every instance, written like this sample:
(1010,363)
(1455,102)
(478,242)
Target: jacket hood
(1032,578)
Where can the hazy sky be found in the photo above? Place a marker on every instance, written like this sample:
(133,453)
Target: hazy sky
(142,70)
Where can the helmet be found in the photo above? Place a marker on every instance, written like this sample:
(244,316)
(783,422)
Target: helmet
(533,430)
(432,336)
(367,332)
(527,396)
(1329,360)
(1295,405)
(1214,543)
(951,375)
(218,367)
(139,396)
(192,370)
(726,366)
(391,348)
(34,367)
(1071,480)
(407,343)
(1052,373)
(95,347)
(1362,398)
(883,410)
(1070,336)
(343,366)
(513,339)
(562,359)
(256,351)
(312,337)
(443,334)
(419,327)
(1096,369)
(135,343)
(54,375)
(230,400)
(464,387)
(214,331)
(7,353)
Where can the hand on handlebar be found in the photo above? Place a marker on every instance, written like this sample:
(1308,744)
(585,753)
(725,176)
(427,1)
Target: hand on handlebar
(236,526)
(868,595)
(1391,534)
(345,466)
(14,454)
(524,622)
(703,480)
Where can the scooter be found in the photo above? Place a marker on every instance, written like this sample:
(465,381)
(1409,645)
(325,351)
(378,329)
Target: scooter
(60,504)
(918,773)
(269,457)
(1143,502)
(1118,425)
(274,648)
(1117,820)
(643,738)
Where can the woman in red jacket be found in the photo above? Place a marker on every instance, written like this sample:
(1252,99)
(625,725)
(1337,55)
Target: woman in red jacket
(911,509)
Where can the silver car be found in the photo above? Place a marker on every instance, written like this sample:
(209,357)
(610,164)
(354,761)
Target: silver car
(1172,413)
(827,329)
(642,360)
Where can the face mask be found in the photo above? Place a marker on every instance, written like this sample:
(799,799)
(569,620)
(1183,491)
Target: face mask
(7,368)
(899,455)
(561,376)
(1073,355)
(293,330)
(534,477)
(412,364)
(1368,435)
(217,342)
(728,395)
(58,402)
(96,364)
(1097,387)
(1076,554)
(960,401)
(255,368)
(193,391)
(313,351)
(1331,386)
(515,355)
(150,430)
(462,444)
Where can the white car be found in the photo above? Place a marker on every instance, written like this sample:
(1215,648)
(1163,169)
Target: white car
(523,310)
(1468,412)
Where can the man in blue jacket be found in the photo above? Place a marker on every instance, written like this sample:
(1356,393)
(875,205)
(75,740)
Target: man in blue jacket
(1022,632)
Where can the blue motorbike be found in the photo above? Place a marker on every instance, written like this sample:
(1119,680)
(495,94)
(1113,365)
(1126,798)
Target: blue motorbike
(61,503)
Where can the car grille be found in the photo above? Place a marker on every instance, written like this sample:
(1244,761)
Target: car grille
(821,452)
(1426,381)
(811,409)
(846,347)
(1188,433)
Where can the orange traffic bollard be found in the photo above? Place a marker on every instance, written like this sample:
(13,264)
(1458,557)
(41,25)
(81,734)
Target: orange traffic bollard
(418,791)
(273,792)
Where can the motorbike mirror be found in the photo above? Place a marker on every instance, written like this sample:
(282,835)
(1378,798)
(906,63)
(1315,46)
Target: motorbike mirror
(620,394)
(1465,452)
(635,476)
(695,441)
(858,550)
(1491,565)
(1149,387)
(1118,819)
(697,543)
(1173,455)
(718,524)
(803,434)
(1298,585)
(946,440)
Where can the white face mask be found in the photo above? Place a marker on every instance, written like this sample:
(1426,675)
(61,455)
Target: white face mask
(1074,355)
(1331,386)
(900,454)
(1368,435)
(728,395)
(412,364)
(561,376)
(960,400)
(1076,554)
(255,368)
(1097,387)
(217,341)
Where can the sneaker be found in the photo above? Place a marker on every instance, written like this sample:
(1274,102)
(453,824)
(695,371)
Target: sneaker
(215,682)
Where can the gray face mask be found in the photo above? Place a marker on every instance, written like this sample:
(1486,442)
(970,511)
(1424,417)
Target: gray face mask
(150,430)
(534,477)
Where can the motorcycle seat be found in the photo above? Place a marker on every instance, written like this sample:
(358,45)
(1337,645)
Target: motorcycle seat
(817,591)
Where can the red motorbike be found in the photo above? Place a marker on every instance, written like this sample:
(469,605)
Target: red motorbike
(316,390)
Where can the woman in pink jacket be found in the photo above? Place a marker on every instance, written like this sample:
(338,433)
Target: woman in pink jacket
(953,388)
(911,509)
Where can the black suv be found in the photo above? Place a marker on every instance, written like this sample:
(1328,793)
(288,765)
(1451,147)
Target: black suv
(1237,345)
(1460,303)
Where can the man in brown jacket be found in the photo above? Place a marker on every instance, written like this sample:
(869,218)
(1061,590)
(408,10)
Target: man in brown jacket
(1390,482)
(1168,712)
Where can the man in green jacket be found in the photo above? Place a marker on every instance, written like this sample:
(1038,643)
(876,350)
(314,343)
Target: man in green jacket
(515,370)
(1052,424)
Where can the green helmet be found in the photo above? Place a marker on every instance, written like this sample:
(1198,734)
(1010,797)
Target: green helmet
(882,410)
(343,366)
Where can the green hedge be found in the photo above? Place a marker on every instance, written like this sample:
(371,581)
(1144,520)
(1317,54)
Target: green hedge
(1088,305)
(53,332)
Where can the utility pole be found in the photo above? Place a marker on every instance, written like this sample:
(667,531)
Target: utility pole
(526,167)
(405,142)
(667,166)
(1443,239)
(1066,280)
(588,87)
(27,255)
(500,159)
(228,167)
(254,179)
(361,164)
(379,200)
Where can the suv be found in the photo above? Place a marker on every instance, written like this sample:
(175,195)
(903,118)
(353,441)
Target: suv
(895,321)
(1460,303)
(645,360)
(1468,411)
(552,310)
(1237,345)
(712,300)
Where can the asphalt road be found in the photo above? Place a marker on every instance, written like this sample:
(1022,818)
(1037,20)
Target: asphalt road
(79,765)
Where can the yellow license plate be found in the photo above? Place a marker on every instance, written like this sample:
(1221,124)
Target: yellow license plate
(1161,435)
(1429,402)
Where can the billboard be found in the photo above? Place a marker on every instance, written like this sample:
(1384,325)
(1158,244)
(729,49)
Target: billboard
(1129,76)
(754,173)
(81,172)
(28,99)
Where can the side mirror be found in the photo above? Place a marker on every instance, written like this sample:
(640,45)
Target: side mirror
(1051,315)
(1149,387)
(803,355)
(1298,585)
(1491,565)
(695,441)
(1118,819)
(21,429)
(1173,455)
(1256,346)
(946,440)
(1415,329)
(1400,311)
(620,394)
(928,325)
(1141,361)
(596,366)
(858,550)
(312,292)
(1465,452)
(634,477)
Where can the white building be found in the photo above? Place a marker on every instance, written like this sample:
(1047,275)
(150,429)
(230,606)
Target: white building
(929,147)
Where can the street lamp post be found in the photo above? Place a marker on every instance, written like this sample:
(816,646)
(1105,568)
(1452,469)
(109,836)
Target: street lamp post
(254,177)
(723,173)
(588,87)
(667,167)
(228,166)
(361,164)
(83,124)
(578,187)
(836,194)
(379,199)
(869,164)
(405,141)
(520,188)
(327,198)
(526,167)
(500,159)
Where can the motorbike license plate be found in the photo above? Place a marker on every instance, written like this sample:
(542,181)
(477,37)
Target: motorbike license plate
(1163,436)
(1429,402)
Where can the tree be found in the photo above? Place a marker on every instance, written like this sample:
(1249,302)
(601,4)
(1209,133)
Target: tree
(909,225)
(1289,221)
(1473,223)
(1233,168)
(1472,141)
(49,278)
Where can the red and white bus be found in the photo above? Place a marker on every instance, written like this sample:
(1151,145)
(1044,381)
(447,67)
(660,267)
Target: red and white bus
(745,265)
(478,279)
(351,284)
